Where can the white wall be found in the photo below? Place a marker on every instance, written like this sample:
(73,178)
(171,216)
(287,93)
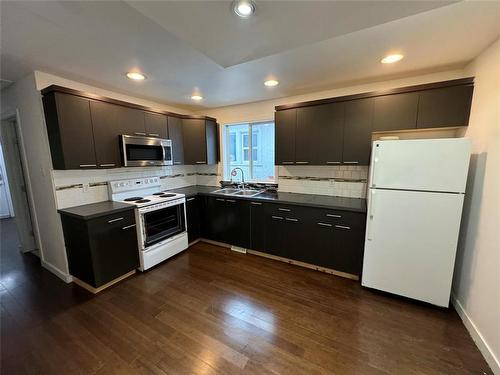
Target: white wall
(477,274)
(23,98)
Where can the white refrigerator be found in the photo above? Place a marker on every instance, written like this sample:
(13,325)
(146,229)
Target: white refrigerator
(415,198)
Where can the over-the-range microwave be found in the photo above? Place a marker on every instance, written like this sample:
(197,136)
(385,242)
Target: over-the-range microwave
(139,151)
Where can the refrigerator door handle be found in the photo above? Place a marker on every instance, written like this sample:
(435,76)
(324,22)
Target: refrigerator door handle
(369,225)
(375,159)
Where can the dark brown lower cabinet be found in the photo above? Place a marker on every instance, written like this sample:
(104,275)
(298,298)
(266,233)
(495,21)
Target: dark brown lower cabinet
(102,249)
(257,226)
(227,220)
(193,217)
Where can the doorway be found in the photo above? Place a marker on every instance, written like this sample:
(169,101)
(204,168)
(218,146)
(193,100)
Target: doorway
(18,212)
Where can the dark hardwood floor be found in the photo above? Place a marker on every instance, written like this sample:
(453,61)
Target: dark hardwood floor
(213,311)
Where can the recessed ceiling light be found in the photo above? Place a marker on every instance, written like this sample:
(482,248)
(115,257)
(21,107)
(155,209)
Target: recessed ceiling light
(244,8)
(136,76)
(271,83)
(196,97)
(389,59)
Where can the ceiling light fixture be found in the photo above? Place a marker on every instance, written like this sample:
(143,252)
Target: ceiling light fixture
(244,8)
(136,76)
(271,83)
(197,97)
(389,59)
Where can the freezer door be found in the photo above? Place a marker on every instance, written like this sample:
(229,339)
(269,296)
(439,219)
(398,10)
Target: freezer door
(411,241)
(421,164)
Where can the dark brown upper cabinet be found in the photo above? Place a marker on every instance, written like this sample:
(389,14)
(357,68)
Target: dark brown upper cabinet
(175,133)
(395,112)
(319,134)
(443,107)
(131,121)
(69,128)
(105,122)
(358,131)
(156,125)
(285,123)
(200,141)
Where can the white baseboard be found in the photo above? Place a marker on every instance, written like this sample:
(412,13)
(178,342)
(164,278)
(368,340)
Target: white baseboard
(56,271)
(478,338)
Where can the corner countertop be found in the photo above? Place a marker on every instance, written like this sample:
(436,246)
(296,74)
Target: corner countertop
(94,210)
(308,200)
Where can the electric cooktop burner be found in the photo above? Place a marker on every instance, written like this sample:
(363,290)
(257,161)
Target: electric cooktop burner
(167,195)
(160,193)
(143,201)
(132,199)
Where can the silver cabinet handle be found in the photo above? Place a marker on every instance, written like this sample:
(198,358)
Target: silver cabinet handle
(128,226)
(333,162)
(220,199)
(256,203)
(342,227)
(139,133)
(287,162)
(277,217)
(107,165)
(325,224)
(350,162)
(114,220)
(230,200)
(88,165)
(291,219)
(201,162)
(154,134)
(190,199)
(301,162)
(333,215)
(177,162)
(284,209)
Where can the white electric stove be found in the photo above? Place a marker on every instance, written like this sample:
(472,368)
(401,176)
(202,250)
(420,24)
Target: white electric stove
(160,218)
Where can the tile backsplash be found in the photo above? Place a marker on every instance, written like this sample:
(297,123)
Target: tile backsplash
(77,187)
(338,180)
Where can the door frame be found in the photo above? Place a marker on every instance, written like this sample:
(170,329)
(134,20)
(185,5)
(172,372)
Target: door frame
(3,172)
(13,119)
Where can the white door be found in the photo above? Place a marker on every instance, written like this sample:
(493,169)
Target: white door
(411,241)
(421,164)
(4,200)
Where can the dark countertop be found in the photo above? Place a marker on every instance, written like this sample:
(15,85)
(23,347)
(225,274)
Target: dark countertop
(309,200)
(93,210)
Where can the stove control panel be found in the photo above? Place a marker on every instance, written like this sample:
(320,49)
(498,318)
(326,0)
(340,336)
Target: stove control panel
(134,184)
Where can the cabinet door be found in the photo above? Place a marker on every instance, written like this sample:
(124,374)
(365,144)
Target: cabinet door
(114,246)
(131,121)
(448,106)
(395,112)
(70,131)
(284,124)
(319,134)
(156,125)
(257,226)
(238,223)
(276,235)
(106,133)
(347,249)
(175,133)
(212,141)
(358,131)
(215,219)
(195,145)
(193,212)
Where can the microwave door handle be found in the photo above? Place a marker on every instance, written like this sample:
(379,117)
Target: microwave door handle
(163,151)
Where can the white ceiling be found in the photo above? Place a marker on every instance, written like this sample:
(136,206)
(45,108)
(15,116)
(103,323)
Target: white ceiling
(188,46)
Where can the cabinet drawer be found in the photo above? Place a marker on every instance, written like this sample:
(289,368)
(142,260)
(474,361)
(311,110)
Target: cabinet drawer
(285,209)
(342,218)
(123,219)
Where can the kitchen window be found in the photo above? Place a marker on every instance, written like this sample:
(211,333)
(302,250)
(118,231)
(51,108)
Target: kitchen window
(250,146)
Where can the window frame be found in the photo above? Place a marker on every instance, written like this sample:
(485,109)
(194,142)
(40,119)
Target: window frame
(225,135)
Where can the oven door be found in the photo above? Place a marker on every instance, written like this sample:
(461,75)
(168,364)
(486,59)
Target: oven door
(163,223)
(145,151)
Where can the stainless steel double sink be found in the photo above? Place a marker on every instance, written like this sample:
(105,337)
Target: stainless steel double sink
(238,192)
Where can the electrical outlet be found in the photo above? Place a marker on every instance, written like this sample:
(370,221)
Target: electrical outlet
(86,187)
